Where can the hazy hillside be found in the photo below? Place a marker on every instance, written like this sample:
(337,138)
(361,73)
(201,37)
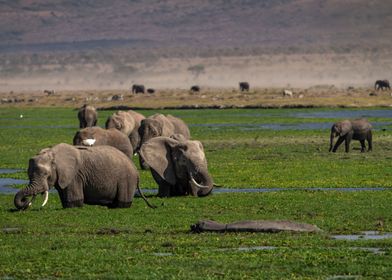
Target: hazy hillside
(90,44)
(85,24)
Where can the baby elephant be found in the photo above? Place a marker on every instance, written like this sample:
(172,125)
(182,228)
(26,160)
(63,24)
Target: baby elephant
(359,129)
(97,136)
(87,116)
(99,175)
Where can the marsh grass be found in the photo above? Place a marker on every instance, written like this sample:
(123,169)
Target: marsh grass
(139,243)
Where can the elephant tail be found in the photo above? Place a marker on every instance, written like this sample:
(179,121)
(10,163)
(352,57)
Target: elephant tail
(142,195)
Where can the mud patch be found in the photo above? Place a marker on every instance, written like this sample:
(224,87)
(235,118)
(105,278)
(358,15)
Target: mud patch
(12,230)
(112,231)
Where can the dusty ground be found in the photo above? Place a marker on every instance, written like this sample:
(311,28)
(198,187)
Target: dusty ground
(317,96)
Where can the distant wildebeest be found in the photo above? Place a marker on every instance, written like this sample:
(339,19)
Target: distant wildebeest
(195,88)
(382,84)
(288,93)
(49,92)
(151,90)
(117,97)
(244,86)
(138,89)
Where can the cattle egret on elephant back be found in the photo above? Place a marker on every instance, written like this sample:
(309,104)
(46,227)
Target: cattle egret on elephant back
(88,142)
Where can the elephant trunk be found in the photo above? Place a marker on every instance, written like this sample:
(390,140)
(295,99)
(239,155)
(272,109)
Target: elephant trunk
(201,183)
(21,200)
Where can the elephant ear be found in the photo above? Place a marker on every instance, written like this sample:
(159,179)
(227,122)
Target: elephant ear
(67,162)
(344,127)
(157,154)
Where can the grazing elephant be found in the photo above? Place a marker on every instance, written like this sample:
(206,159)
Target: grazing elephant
(244,86)
(128,123)
(161,125)
(359,129)
(138,89)
(87,116)
(195,88)
(97,136)
(382,84)
(178,167)
(150,90)
(99,175)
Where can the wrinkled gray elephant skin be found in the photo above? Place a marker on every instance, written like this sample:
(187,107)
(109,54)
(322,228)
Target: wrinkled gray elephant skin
(161,125)
(348,130)
(178,167)
(100,175)
(87,116)
(97,136)
(128,122)
(253,226)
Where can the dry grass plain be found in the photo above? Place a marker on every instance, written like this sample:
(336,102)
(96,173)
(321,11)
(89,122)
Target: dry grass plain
(316,96)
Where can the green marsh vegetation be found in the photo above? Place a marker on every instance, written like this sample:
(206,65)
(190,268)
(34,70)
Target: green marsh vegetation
(95,242)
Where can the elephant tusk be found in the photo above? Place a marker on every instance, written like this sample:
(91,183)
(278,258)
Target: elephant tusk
(194,183)
(46,196)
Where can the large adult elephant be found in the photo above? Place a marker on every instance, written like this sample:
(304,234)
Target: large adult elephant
(178,167)
(161,125)
(128,122)
(97,136)
(99,175)
(382,84)
(87,116)
(244,86)
(138,89)
(347,130)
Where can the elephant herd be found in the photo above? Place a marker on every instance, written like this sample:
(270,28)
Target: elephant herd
(97,169)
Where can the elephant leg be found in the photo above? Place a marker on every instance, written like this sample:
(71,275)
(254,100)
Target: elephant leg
(143,164)
(370,140)
(124,194)
(349,136)
(363,147)
(347,145)
(73,196)
(163,186)
(337,144)
(62,197)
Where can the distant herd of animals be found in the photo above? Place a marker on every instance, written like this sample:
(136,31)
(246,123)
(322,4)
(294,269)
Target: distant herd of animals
(244,86)
(98,168)
(140,89)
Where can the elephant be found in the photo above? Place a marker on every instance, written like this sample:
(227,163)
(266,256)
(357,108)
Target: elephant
(359,129)
(87,116)
(160,125)
(100,175)
(244,86)
(178,167)
(195,88)
(150,90)
(96,136)
(382,84)
(138,89)
(128,122)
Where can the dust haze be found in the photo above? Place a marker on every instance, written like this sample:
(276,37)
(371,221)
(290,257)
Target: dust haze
(263,71)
